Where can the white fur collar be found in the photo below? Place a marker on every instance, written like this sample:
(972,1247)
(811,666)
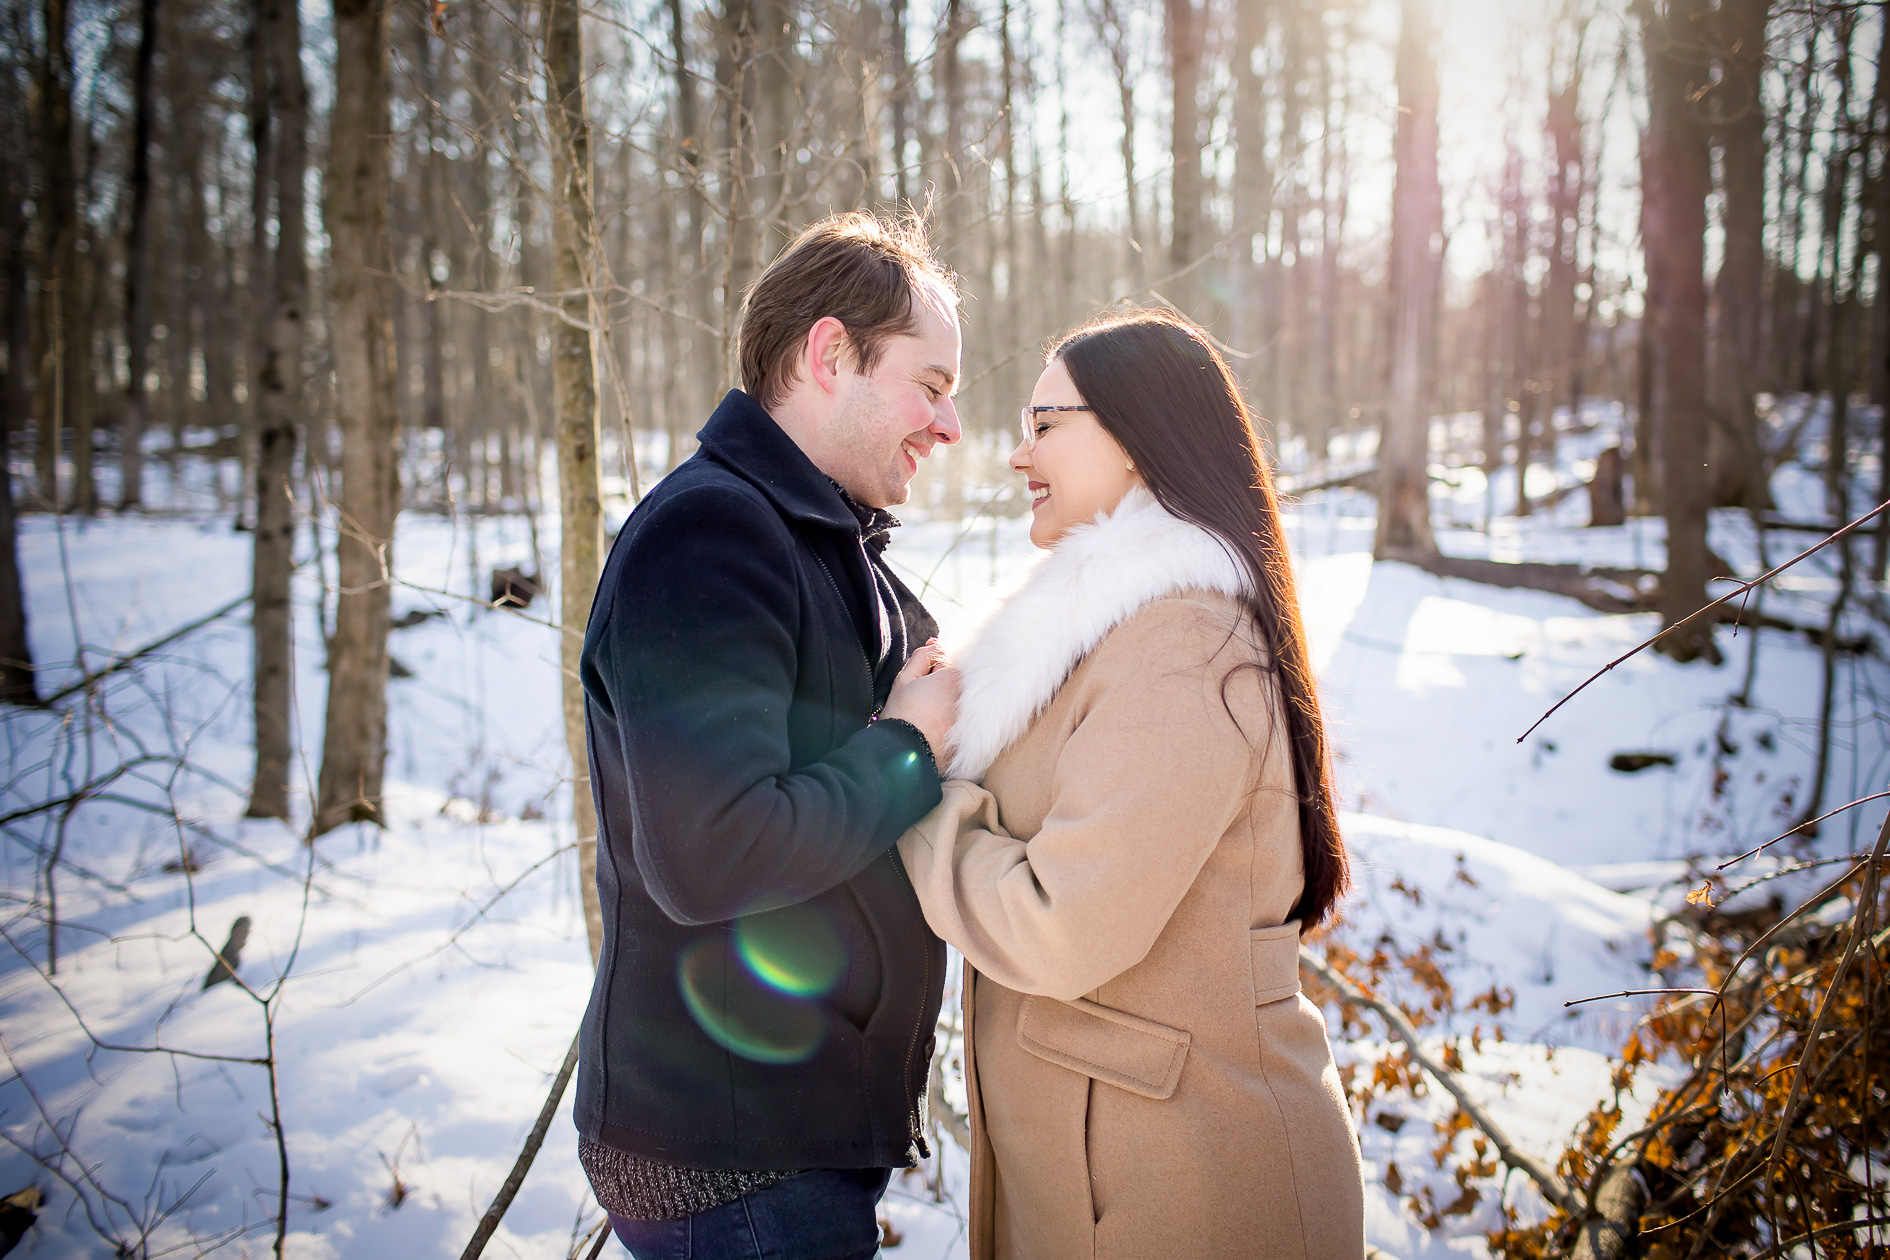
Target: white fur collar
(1098,576)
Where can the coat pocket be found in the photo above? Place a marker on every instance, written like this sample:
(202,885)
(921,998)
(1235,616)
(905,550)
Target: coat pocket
(1107,1045)
(1275,962)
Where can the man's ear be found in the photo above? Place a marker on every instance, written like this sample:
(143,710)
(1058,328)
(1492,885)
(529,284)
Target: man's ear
(827,352)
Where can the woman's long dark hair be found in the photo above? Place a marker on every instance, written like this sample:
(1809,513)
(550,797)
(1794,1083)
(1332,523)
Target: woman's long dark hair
(1160,390)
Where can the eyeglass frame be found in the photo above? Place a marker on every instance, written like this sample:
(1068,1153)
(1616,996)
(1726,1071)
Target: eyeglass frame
(1024,418)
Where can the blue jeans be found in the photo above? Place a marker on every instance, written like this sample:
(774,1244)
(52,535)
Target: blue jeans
(827,1214)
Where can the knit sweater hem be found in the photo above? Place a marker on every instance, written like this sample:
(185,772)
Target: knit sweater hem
(644,1190)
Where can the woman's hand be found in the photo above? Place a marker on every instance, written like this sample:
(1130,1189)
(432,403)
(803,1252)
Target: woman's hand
(926,694)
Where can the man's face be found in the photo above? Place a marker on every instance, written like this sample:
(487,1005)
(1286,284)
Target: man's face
(886,421)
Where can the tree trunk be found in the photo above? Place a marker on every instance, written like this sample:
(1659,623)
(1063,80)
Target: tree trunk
(1253,184)
(137,250)
(574,400)
(899,97)
(1513,331)
(735,79)
(1404,511)
(16,652)
(58,218)
(81,387)
(698,375)
(1676,183)
(278,408)
(1557,345)
(361,339)
(1841,319)
(1116,38)
(954,212)
(1185,30)
(428,179)
(257,290)
(1737,459)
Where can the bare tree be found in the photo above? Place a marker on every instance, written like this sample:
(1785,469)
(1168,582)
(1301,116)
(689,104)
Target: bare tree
(137,250)
(574,399)
(361,342)
(1112,28)
(1568,172)
(1404,511)
(1737,462)
(1186,31)
(16,651)
(278,408)
(58,227)
(1253,181)
(1676,179)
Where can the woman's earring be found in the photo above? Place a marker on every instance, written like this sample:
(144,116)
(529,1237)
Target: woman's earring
(1131,465)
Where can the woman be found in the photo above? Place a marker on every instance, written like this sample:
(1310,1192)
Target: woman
(1138,829)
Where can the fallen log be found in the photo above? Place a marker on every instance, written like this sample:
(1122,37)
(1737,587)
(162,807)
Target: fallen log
(1611,1233)
(1603,589)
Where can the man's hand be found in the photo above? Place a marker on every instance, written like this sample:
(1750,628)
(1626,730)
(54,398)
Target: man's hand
(926,694)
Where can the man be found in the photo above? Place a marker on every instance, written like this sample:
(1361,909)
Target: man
(755,1054)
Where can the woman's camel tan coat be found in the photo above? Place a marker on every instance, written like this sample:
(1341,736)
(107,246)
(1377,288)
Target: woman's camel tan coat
(1145,1079)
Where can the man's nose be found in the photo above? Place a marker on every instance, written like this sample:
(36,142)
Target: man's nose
(945,426)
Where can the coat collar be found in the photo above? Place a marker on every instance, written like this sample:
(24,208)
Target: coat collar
(1097,577)
(741,434)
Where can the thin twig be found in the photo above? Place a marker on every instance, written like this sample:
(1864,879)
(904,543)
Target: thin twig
(1602,997)
(1736,592)
(516,1178)
(1837,980)
(119,662)
(1809,822)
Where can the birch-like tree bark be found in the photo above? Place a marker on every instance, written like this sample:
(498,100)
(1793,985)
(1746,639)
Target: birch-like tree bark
(361,341)
(574,402)
(1404,507)
(278,408)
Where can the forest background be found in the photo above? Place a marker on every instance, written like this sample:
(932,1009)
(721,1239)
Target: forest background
(1504,279)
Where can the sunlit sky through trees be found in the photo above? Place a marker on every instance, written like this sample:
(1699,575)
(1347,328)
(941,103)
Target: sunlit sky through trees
(1494,69)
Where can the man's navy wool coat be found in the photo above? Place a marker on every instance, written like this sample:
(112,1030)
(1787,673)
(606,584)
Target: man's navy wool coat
(768,989)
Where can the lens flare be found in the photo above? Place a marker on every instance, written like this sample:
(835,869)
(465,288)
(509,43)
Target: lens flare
(742,1015)
(794,949)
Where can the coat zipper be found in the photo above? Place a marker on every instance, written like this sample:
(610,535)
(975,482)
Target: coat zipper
(871,677)
(925,986)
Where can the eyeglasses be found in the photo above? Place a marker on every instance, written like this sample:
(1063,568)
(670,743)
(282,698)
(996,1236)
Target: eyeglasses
(1028,417)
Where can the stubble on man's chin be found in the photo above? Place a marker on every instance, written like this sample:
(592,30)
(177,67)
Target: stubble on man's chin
(883,487)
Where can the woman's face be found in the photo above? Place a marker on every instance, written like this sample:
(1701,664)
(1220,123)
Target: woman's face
(1074,467)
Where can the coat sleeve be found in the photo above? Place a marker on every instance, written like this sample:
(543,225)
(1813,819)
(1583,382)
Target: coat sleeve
(693,659)
(1154,773)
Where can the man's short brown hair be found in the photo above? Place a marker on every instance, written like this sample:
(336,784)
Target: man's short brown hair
(863,270)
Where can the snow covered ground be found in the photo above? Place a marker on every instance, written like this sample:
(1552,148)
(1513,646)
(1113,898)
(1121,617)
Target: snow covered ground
(432,975)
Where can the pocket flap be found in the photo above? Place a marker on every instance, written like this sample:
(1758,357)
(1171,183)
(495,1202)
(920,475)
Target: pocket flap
(1112,1046)
(1275,962)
